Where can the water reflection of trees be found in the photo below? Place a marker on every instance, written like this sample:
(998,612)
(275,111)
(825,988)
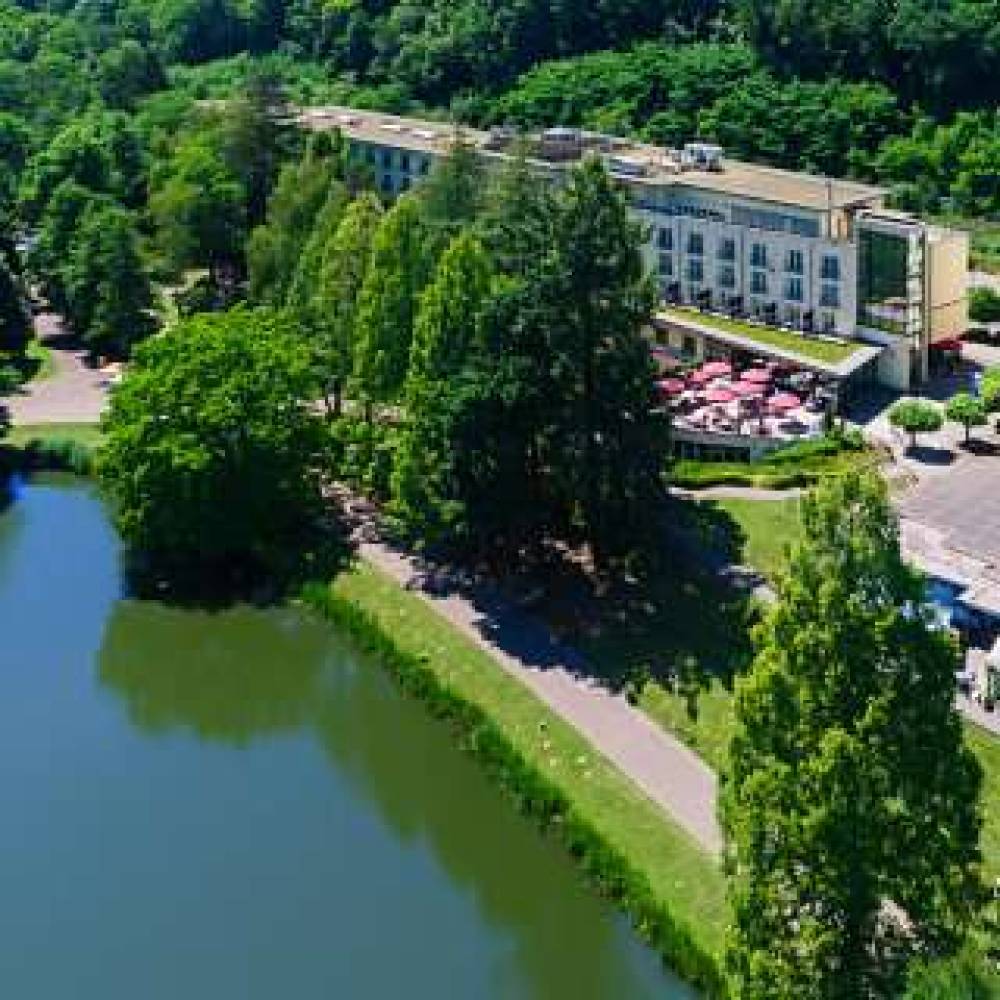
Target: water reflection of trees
(229,676)
(243,674)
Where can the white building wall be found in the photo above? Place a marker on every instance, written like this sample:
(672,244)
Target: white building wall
(777,247)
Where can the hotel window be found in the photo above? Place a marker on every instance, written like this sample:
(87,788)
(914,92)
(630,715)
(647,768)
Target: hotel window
(829,322)
(794,262)
(404,162)
(727,249)
(793,289)
(695,271)
(758,283)
(387,185)
(727,276)
(696,243)
(387,160)
(371,156)
(829,296)
(666,266)
(689,346)
(425,165)
(665,239)
(830,268)
(758,255)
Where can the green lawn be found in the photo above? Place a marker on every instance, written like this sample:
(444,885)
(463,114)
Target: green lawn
(85,434)
(687,880)
(766,529)
(807,347)
(40,355)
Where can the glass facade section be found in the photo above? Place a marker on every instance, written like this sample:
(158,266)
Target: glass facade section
(890,281)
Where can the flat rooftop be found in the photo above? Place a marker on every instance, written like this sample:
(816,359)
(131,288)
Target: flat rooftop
(647,164)
(836,357)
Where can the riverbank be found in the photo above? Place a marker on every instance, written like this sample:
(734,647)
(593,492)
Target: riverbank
(672,889)
(69,447)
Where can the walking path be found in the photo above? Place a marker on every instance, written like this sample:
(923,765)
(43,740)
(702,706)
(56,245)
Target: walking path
(73,394)
(667,771)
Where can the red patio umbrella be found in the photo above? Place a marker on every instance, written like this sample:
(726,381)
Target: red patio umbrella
(747,389)
(717,369)
(783,402)
(720,396)
(671,386)
(758,375)
(949,344)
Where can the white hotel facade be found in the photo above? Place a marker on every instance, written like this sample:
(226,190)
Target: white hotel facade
(738,249)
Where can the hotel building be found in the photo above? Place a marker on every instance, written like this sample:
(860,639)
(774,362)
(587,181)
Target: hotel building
(750,259)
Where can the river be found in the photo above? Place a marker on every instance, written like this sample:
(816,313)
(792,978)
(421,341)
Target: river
(236,805)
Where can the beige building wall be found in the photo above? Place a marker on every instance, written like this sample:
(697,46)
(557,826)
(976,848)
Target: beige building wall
(947,283)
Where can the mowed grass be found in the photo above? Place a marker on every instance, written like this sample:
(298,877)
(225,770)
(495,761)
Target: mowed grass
(986,747)
(84,434)
(767,528)
(685,878)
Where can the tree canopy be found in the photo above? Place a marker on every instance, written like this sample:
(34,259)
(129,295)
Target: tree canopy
(850,803)
(211,461)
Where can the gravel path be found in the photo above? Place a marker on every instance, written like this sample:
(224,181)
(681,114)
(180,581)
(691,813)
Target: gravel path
(671,774)
(73,394)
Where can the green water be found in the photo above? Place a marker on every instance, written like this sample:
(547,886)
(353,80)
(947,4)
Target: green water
(236,806)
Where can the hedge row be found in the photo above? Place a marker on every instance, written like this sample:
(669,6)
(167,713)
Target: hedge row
(534,794)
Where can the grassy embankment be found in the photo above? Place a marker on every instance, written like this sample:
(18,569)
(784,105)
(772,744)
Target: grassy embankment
(673,890)
(58,447)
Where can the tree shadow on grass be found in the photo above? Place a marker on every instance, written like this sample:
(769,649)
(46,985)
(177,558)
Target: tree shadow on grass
(675,620)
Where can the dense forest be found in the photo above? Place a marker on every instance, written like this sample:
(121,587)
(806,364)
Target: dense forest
(115,159)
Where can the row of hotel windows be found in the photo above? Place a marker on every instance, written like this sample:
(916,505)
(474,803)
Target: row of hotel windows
(726,250)
(775,222)
(726,278)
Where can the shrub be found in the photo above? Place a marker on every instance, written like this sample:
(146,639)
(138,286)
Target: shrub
(916,416)
(967,410)
(984,305)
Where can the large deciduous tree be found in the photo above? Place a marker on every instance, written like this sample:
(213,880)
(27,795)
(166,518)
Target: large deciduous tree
(108,292)
(387,308)
(342,268)
(295,207)
(850,802)
(212,454)
(447,335)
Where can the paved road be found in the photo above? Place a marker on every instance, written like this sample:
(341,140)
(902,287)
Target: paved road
(667,771)
(73,394)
